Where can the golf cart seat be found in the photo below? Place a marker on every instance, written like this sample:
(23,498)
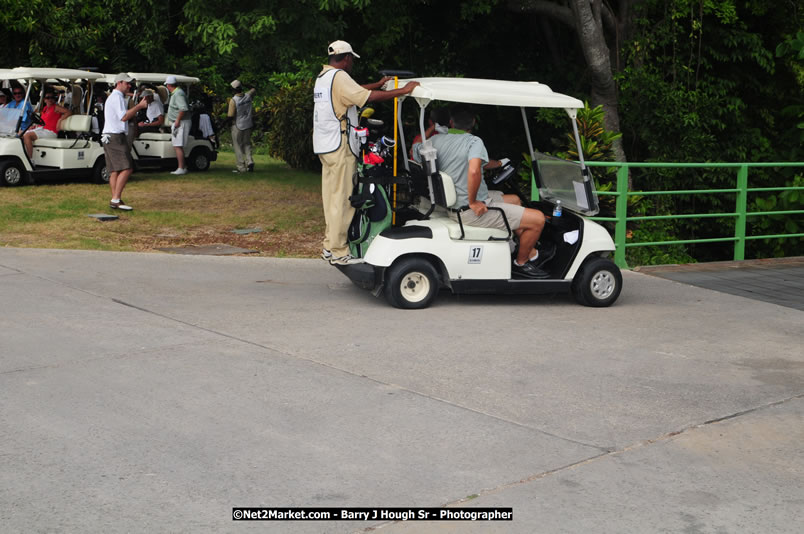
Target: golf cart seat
(446,197)
(154,136)
(74,123)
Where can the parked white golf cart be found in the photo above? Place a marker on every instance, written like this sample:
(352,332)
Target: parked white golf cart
(154,150)
(410,263)
(73,154)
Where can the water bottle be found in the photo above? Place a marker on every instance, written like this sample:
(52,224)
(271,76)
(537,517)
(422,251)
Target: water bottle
(557,209)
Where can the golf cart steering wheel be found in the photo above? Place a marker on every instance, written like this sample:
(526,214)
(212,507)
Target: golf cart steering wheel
(503,174)
(35,119)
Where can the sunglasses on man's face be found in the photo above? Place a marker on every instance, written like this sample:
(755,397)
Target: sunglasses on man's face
(16,93)
(50,97)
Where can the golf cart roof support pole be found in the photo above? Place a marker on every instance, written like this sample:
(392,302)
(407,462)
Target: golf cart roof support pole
(396,147)
(398,126)
(572,113)
(527,132)
(534,189)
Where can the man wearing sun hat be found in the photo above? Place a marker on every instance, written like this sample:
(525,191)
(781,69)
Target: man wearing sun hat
(179,121)
(336,97)
(241,110)
(119,163)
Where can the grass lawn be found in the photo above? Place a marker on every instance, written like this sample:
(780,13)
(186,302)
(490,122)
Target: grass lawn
(170,211)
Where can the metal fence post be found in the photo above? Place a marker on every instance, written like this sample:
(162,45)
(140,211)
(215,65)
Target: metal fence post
(622,216)
(741,208)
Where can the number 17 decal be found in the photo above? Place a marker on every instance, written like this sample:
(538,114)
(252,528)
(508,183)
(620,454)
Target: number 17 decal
(475,254)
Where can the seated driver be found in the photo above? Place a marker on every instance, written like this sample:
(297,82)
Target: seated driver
(52,113)
(463,156)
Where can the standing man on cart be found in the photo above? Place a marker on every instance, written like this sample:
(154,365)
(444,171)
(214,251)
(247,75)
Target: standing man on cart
(336,97)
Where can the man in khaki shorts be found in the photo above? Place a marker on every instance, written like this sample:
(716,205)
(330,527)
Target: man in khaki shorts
(178,118)
(463,157)
(119,163)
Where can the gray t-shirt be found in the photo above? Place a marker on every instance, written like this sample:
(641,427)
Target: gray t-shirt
(454,153)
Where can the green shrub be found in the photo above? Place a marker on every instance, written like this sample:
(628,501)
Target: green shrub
(290,126)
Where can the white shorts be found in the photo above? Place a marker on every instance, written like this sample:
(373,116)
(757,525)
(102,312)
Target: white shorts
(43,133)
(180,135)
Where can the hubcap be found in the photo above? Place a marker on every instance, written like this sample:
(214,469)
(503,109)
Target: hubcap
(602,285)
(201,161)
(12,176)
(415,287)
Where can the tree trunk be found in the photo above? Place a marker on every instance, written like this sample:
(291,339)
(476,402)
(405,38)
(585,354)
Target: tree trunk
(580,15)
(598,59)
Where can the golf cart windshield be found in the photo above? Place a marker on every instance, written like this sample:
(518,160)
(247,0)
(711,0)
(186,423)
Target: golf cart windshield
(563,180)
(558,179)
(8,120)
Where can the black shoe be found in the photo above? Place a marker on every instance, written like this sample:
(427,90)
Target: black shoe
(250,167)
(528,271)
(547,252)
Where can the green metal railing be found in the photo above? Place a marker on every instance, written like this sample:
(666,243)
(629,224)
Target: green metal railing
(740,212)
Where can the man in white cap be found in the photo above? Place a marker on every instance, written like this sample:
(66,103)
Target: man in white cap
(119,163)
(241,109)
(336,98)
(179,120)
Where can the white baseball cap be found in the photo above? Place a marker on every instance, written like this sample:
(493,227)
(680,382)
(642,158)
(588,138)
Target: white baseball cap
(123,77)
(235,84)
(340,47)
(171,80)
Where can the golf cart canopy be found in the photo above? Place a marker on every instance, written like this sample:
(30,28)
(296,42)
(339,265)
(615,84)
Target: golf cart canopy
(557,179)
(490,92)
(36,73)
(157,77)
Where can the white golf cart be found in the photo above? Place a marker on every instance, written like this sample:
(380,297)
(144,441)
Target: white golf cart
(430,250)
(73,154)
(154,150)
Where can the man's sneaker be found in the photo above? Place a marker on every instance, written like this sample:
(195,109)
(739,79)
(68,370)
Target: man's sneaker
(236,171)
(179,171)
(346,260)
(250,167)
(120,205)
(326,254)
(547,252)
(528,271)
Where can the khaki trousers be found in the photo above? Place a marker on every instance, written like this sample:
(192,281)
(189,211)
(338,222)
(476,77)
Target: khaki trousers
(337,171)
(241,141)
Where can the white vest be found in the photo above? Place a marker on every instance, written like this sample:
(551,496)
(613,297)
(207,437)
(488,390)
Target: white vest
(244,112)
(327,127)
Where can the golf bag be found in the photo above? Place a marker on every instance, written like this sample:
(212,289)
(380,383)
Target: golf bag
(372,215)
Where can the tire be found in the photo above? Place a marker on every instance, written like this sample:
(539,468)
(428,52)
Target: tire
(598,283)
(411,284)
(100,174)
(12,173)
(199,159)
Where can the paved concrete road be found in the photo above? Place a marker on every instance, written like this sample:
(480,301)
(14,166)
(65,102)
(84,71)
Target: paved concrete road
(151,392)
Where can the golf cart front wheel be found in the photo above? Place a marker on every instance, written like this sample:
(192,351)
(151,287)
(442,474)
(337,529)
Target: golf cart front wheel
(411,284)
(598,283)
(11,173)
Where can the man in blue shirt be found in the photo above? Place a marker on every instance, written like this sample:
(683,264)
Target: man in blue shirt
(27,110)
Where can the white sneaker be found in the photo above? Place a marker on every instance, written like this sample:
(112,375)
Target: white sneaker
(346,260)
(179,171)
(326,254)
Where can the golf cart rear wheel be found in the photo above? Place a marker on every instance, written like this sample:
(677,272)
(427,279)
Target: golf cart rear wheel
(598,283)
(11,173)
(411,283)
(199,159)
(100,172)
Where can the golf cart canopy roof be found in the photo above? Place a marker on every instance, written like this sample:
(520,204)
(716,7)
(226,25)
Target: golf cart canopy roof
(157,77)
(490,92)
(36,73)
(150,77)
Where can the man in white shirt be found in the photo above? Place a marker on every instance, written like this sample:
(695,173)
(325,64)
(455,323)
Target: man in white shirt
(154,114)
(119,163)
